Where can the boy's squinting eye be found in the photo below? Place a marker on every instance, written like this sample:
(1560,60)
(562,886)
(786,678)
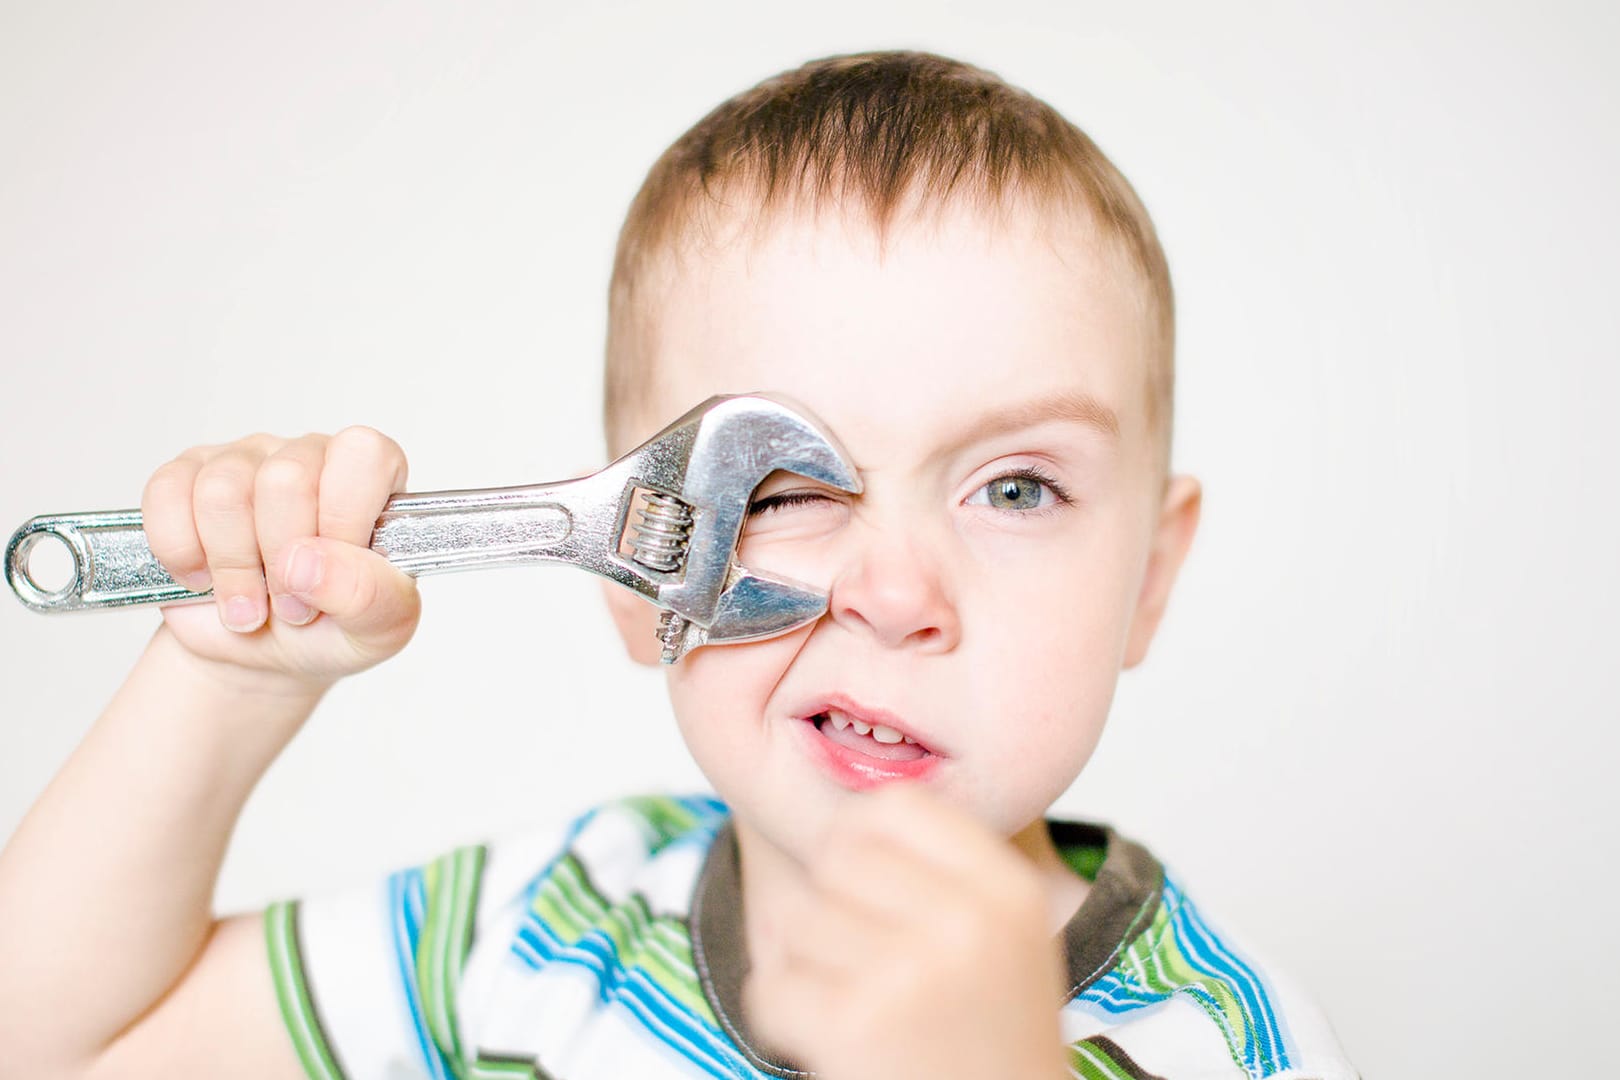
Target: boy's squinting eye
(1021,490)
(785,499)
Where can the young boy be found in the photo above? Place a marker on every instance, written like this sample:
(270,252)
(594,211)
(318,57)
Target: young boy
(960,285)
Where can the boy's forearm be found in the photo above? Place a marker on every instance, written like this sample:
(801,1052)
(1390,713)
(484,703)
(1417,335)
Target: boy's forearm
(106,888)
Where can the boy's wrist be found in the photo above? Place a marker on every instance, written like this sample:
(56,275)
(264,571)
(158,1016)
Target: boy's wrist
(272,689)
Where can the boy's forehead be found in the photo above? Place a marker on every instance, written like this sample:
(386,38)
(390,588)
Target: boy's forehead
(924,336)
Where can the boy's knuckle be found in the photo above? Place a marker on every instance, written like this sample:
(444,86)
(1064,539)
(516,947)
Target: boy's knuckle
(372,449)
(283,476)
(232,577)
(363,440)
(222,486)
(261,442)
(363,591)
(169,483)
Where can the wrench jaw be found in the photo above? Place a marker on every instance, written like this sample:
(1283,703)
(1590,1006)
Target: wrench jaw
(740,441)
(735,443)
(753,608)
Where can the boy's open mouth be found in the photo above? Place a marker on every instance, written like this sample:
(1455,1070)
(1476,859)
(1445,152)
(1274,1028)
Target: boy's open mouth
(873,740)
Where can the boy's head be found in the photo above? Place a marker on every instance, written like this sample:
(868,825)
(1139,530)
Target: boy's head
(956,281)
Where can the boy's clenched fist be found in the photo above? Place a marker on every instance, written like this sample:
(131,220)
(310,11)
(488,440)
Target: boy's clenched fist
(280,529)
(923,948)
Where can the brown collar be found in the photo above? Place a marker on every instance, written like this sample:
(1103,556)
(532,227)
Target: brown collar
(1122,901)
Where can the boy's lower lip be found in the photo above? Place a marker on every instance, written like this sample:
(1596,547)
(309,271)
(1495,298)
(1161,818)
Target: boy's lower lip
(857,771)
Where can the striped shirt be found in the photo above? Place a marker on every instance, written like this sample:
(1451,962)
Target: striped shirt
(612,949)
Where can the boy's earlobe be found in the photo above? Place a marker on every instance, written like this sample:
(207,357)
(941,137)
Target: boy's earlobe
(1172,537)
(637,621)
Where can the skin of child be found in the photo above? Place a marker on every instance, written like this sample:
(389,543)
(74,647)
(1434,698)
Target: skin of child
(1011,552)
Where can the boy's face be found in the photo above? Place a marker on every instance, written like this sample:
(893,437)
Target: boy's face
(987,586)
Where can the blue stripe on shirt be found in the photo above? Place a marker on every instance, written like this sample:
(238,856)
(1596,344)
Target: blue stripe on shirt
(1264,1051)
(633,990)
(407,903)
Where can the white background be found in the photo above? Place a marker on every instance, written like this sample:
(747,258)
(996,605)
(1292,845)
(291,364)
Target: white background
(1377,732)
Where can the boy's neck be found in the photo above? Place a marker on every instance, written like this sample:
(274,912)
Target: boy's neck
(773,883)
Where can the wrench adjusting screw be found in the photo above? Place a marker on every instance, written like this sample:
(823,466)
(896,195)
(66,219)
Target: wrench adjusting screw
(662,533)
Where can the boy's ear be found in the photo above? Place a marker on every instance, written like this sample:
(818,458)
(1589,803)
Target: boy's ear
(1178,521)
(637,621)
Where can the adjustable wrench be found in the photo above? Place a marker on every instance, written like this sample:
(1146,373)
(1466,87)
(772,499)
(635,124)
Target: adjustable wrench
(663,520)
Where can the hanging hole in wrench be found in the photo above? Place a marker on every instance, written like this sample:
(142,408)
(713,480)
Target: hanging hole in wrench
(48,562)
(659,530)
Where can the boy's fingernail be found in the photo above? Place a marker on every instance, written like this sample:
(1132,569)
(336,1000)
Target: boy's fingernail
(304,569)
(290,609)
(198,582)
(241,614)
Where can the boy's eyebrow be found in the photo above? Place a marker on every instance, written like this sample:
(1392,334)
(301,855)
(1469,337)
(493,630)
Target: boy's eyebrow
(1073,405)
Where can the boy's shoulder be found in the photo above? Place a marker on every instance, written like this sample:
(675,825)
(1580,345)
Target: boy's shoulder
(612,945)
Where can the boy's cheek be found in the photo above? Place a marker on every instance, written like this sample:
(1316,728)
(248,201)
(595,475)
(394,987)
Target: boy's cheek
(716,687)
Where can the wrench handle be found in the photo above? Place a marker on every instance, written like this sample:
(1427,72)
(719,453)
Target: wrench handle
(439,531)
(426,533)
(112,565)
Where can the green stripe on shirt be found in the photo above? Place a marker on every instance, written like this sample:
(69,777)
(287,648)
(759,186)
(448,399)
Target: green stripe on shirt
(571,906)
(1100,1058)
(452,900)
(292,993)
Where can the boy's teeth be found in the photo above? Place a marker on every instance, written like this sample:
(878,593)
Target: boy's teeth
(881,732)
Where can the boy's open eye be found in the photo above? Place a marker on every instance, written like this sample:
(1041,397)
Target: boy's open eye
(1020,490)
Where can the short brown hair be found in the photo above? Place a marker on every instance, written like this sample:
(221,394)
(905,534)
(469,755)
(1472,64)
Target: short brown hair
(877,131)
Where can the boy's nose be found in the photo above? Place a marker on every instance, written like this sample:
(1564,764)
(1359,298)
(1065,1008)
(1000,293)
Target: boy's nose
(895,594)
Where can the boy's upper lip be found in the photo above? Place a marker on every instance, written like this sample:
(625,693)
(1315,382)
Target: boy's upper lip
(866,714)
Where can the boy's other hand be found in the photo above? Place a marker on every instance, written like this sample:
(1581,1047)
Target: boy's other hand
(923,949)
(281,530)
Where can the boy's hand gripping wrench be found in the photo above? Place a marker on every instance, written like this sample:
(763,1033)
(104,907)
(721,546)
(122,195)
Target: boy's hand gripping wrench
(688,487)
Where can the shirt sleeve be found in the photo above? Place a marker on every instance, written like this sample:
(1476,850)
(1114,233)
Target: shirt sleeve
(367,979)
(391,980)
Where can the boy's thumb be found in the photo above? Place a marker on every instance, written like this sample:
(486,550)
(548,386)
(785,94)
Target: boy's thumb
(370,598)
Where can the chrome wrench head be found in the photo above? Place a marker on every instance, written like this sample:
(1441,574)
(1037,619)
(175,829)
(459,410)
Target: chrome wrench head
(722,450)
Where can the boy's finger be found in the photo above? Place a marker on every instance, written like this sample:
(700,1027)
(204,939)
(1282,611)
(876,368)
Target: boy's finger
(222,502)
(286,500)
(171,531)
(933,830)
(363,467)
(839,941)
(374,602)
(886,882)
